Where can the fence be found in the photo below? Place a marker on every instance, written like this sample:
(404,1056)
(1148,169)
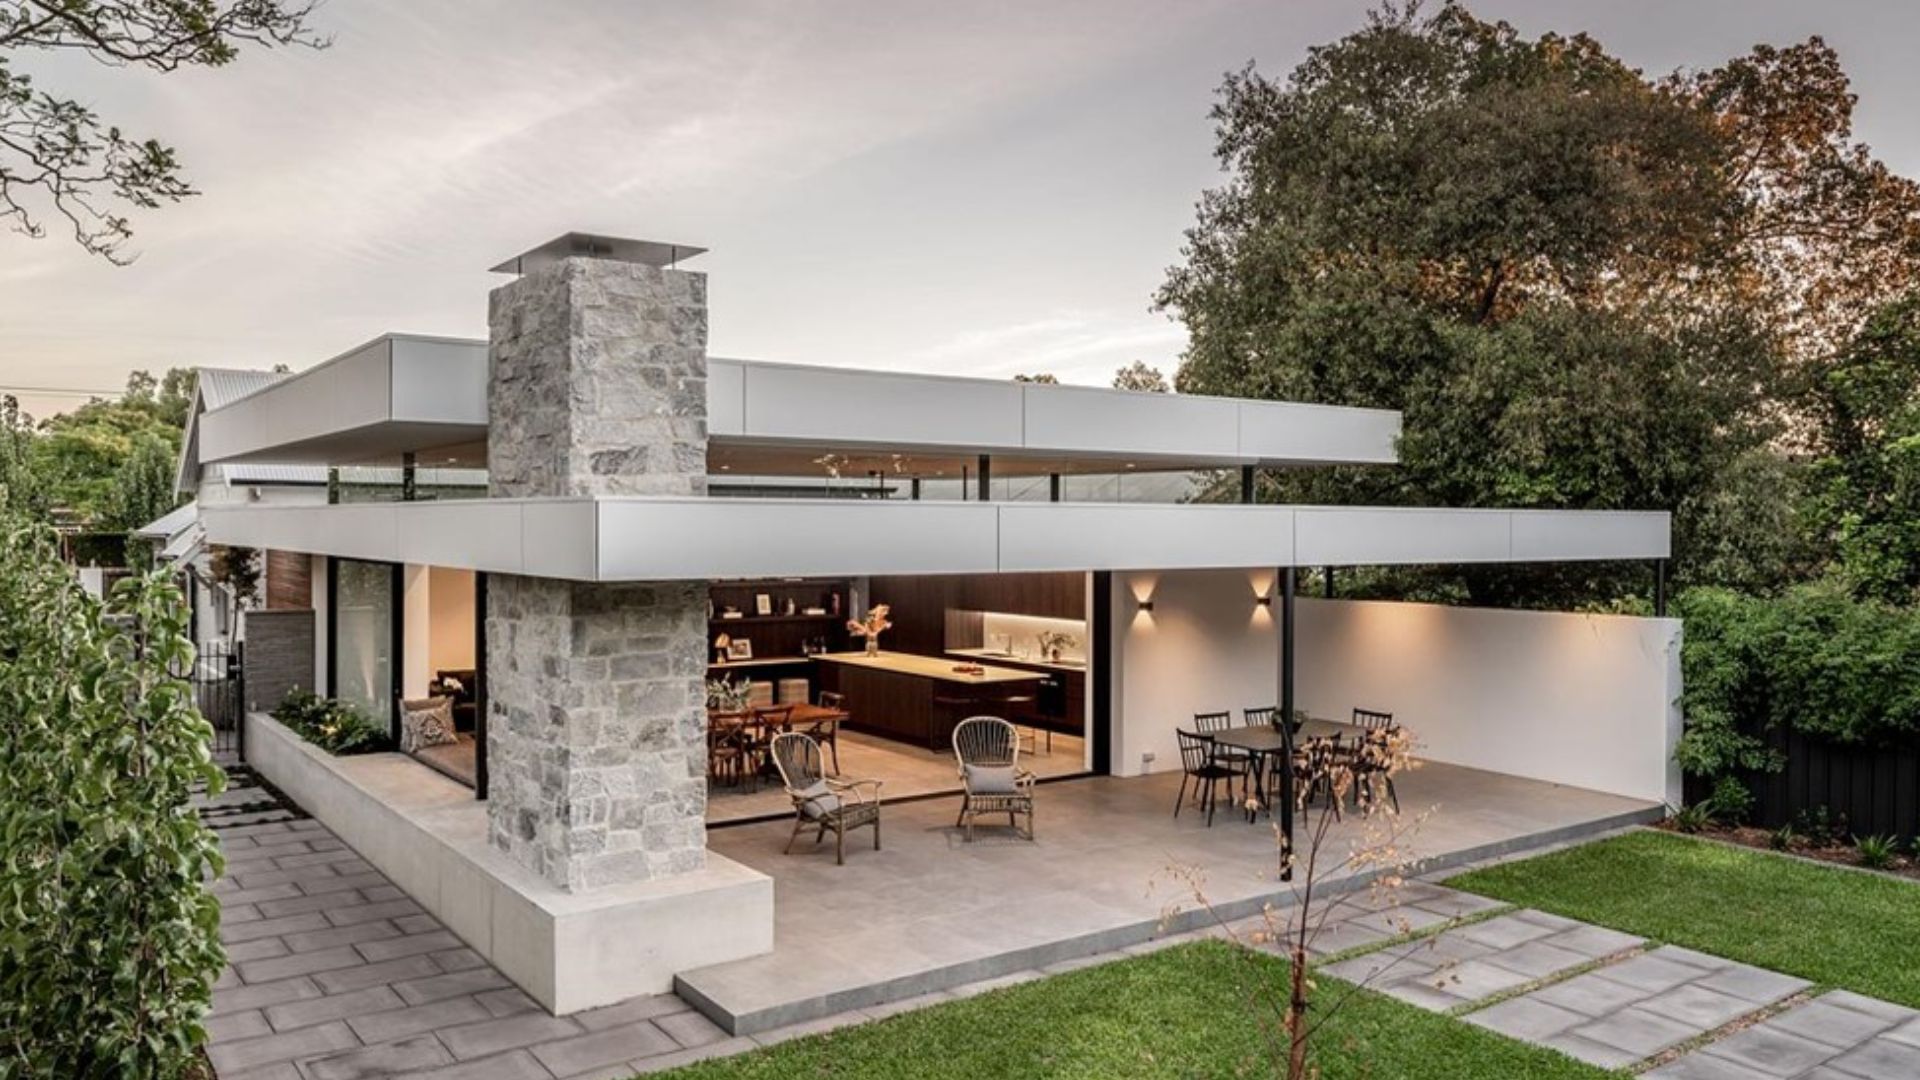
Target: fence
(1875,790)
(219,690)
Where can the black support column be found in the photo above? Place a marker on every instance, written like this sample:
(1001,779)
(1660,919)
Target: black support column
(1660,588)
(409,489)
(1053,487)
(1287,584)
(1327,583)
(986,478)
(1246,483)
(479,684)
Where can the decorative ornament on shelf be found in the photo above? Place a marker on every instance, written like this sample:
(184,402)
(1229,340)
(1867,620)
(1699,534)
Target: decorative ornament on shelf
(871,626)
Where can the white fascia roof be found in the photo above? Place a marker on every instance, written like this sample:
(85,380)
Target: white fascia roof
(407,394)
(169,524)
(663,539)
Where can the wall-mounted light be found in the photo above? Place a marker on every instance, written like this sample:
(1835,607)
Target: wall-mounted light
(1146,605)
(1263,601)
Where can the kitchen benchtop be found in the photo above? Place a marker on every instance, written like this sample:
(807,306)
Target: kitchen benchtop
(928,667)
(990,655)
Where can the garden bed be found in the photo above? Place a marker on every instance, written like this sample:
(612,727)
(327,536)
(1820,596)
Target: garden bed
(1838,854)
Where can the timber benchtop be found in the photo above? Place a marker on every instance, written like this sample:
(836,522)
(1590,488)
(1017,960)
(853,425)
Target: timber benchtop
(928,667)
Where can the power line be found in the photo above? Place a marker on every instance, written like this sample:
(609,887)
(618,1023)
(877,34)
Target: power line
(60,390)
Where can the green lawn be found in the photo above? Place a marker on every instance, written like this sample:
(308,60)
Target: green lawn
(1185,1012)
(1836,927)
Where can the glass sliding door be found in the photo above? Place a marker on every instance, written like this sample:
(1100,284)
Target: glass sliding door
(364,626)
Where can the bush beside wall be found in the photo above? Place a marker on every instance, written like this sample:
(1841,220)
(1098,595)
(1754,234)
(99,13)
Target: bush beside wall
(109,937)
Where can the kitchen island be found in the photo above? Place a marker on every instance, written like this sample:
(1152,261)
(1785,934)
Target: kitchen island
(919,699)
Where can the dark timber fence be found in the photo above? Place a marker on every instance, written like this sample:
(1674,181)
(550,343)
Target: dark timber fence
(1874,789)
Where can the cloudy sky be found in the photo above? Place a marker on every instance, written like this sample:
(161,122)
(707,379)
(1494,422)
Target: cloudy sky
(980,188)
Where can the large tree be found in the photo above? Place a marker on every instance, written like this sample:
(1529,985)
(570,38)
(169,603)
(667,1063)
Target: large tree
(57,158)
(78,457)
(1581,286)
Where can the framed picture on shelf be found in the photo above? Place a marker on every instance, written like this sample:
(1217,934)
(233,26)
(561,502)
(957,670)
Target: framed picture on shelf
(739,649)
(762,604)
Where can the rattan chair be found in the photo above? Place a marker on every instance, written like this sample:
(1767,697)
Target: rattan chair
(988,751)
(830,805)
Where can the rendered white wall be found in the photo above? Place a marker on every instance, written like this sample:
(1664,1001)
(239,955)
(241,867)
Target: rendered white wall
(1584,700)
(416,630)
(1207,645)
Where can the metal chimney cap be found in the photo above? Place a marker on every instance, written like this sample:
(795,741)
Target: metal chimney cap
(576,245)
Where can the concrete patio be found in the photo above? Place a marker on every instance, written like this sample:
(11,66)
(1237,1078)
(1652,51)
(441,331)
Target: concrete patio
(931,912)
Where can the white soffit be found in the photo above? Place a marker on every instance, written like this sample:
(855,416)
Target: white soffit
(640,539)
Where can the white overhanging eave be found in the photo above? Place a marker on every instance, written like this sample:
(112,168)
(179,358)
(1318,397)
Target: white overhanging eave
(657,539)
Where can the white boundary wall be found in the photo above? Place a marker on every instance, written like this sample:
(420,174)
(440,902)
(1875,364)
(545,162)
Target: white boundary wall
(1586,700)
(1589,701)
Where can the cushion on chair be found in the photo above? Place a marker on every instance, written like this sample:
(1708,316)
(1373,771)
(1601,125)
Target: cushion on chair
(426,722)
(820,802)
(991,780)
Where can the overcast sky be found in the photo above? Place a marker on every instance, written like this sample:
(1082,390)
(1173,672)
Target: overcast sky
(977,188)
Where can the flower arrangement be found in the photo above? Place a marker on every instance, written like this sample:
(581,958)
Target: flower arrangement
(1055,642)
(872,626)
(727,695)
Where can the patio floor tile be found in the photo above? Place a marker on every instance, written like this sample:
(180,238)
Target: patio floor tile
(1637,1031)
(1526,1019)
(1774,1053)
(1824,1022)
(1591,995)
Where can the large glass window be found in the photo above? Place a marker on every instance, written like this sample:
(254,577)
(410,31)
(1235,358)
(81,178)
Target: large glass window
(365,652)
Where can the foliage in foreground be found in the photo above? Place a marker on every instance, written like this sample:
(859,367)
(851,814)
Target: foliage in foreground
(1185,1012)
(109,939)
(1811,660)
(333,726)
(1836,927)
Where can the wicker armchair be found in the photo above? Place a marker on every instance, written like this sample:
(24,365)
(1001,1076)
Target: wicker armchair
(829,805)
(988,751)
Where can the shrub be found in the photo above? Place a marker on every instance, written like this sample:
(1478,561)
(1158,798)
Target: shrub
(1821,827)
(1692,819)
(333,726)
(1782,838)
(1876,852)
(109,938)
(1731,802)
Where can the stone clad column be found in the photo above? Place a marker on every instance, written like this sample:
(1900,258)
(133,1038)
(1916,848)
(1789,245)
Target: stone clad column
(596,723)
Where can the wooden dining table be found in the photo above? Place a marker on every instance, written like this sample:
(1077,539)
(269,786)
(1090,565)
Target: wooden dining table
(800,715)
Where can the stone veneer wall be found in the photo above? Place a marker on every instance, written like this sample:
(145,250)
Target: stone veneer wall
(599,382)
(596,731)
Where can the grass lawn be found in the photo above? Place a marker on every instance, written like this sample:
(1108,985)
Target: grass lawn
(1183,1012)
(1836,927)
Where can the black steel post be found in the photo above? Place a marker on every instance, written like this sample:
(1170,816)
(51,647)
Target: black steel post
(1327,583)
(1053,487)
(986,478)
(1246,483)
(1286,723)
(916,489)
(480,684)
(333,485)
(409,490)
(1660,588)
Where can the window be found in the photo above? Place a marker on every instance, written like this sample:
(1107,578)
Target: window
(364,623)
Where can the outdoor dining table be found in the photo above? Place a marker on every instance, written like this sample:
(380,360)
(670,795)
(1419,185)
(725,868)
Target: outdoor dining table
(1265,740)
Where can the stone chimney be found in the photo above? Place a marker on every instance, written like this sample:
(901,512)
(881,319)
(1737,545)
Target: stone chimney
(596,721)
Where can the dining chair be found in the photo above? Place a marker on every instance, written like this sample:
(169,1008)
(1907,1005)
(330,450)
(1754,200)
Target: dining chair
(992,782)
(729,747)
(1373,720)
(829,805)
(825,730)
(1203,767)
(1213,723)
(1373,758)
(1259,716)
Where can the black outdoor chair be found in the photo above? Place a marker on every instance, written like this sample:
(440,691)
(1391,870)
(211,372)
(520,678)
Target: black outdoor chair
(1213,723)
(1201,764)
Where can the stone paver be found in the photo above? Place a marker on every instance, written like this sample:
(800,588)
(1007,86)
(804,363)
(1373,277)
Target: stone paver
(1836,1036)
(335,974)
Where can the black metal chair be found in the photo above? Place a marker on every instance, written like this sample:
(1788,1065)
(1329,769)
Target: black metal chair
(1201,765)
(1260,716)
(1370,757)
(1213,723)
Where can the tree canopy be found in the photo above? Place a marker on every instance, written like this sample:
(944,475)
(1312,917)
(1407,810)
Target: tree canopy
(58,159)
(1582,286)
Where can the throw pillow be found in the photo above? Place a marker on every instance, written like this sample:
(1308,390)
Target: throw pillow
(820,801)
(427,722)
(991,780)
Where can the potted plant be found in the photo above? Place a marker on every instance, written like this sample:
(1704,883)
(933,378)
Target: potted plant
(1054,642)
(871,626)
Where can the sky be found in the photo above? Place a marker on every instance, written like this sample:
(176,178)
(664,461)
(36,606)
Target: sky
(968,188)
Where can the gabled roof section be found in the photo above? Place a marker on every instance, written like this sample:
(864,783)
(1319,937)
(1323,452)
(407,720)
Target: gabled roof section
(213,388)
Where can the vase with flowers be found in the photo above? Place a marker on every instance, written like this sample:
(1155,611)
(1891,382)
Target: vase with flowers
(871,626)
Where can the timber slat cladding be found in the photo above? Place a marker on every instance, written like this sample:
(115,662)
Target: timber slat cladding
(289,584)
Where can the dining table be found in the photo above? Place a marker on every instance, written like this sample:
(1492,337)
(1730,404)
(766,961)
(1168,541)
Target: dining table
(1265,740)
(800,716)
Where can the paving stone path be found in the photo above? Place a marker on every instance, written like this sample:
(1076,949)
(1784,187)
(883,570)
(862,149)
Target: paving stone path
(334,974)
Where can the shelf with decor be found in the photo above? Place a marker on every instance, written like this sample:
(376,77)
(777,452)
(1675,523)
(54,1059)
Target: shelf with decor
(776,646)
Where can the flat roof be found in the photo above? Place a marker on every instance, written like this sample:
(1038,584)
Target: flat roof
(428,396)
(664,539)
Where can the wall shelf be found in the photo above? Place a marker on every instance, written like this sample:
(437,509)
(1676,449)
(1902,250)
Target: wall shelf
(766,661)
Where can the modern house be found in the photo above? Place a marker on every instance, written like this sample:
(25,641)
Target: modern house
(653,517)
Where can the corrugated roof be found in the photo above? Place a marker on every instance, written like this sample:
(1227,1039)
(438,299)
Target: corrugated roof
(273,474)
(224,386)
(170,523)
